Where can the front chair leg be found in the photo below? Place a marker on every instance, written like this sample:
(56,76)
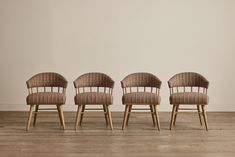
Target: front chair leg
(125,116)
(152,114)
(30,116)
(176,113)
(205,116)
(35,115)
(199,113)
(58,109)
(82,114)
(172,115)
(128,115)
(62,116)
(78,116)
(157,117)
(105,114)
(110,117)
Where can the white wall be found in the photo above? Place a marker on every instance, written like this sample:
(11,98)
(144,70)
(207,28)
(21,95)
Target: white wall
(117,37)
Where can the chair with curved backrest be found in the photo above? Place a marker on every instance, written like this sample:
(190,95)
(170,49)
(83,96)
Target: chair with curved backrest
(93,89)
(141,89)
(46,89)
(188,88)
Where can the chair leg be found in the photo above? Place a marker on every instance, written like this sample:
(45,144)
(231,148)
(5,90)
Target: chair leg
(176,113)
(157,117)
(62,116)
(30,116)
(199,113)
(78,116)
(152,114)
(128,115)
(125,116)
(205,117)
(172,115)
(58,109)
(35,115)
(105,115)
(109,116)
(82,114)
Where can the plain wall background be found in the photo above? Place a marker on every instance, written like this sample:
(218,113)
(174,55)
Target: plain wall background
(117,37)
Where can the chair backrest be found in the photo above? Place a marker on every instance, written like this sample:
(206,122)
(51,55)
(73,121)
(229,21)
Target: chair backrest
(141,80)
(188,79)
(94,79)
(47,79)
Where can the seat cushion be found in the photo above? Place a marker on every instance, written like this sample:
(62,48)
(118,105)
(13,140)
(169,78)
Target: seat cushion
(46,98)
(141,98)
(93,98)
(189,98)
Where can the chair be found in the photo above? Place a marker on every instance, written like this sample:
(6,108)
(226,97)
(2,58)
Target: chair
(93,89)
(46,89)
(188,88)
(141,89)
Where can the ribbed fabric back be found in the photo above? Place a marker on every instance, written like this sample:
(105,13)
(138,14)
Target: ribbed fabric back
(47,79)
(94,80)
(141,80)
(188,79)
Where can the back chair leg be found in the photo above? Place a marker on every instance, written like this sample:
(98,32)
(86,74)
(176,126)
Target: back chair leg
(58,109)
(78,116)
(30,116)
(157,117)
(109,116)
(173,115)
(125,116)
(152,114)
(204,116)
(128,115)
(199,113)
(105,115)
(176,113)
(62,116)
(35,115)
(82,114)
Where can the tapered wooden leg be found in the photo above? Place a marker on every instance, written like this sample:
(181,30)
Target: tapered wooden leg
(152,114)
(199,113)
(62,116)
(172,115)
(176,113)
(110,117)
(58,109)
(78,116)
(30,116)
(35,115)
(125,116)
(105,115)
(128,115)
(82,114)
(205,116)
(157,117)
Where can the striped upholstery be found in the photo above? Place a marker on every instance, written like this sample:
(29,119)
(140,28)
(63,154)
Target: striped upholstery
(189,98)
(141,80)
(46,98)
(93,98)
(141,98)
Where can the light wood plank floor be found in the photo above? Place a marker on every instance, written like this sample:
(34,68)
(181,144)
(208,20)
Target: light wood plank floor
(187,139)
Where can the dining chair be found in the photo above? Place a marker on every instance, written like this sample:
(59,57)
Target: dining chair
(46,88)
(93,89)
(141,89)
(188,88)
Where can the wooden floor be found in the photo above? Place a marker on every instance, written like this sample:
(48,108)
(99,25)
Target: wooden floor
(187,139)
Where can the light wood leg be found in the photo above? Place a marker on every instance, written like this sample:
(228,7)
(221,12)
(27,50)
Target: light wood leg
(152,114)
(125,116)
(62,116)
(205,117)
(176,113)
(30,116)
(105,115)
(128,115)
(172,115)
(35,115)
(109,116)
(82,114)
(157,116)
(78,116)
(199,113)
(58,109)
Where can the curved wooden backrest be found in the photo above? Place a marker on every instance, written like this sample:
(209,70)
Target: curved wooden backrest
(188,79)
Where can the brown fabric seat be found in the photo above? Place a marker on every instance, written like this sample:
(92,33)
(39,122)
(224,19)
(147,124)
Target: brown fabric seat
(46,98)
(93,98)
(141,98)
(189,98)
